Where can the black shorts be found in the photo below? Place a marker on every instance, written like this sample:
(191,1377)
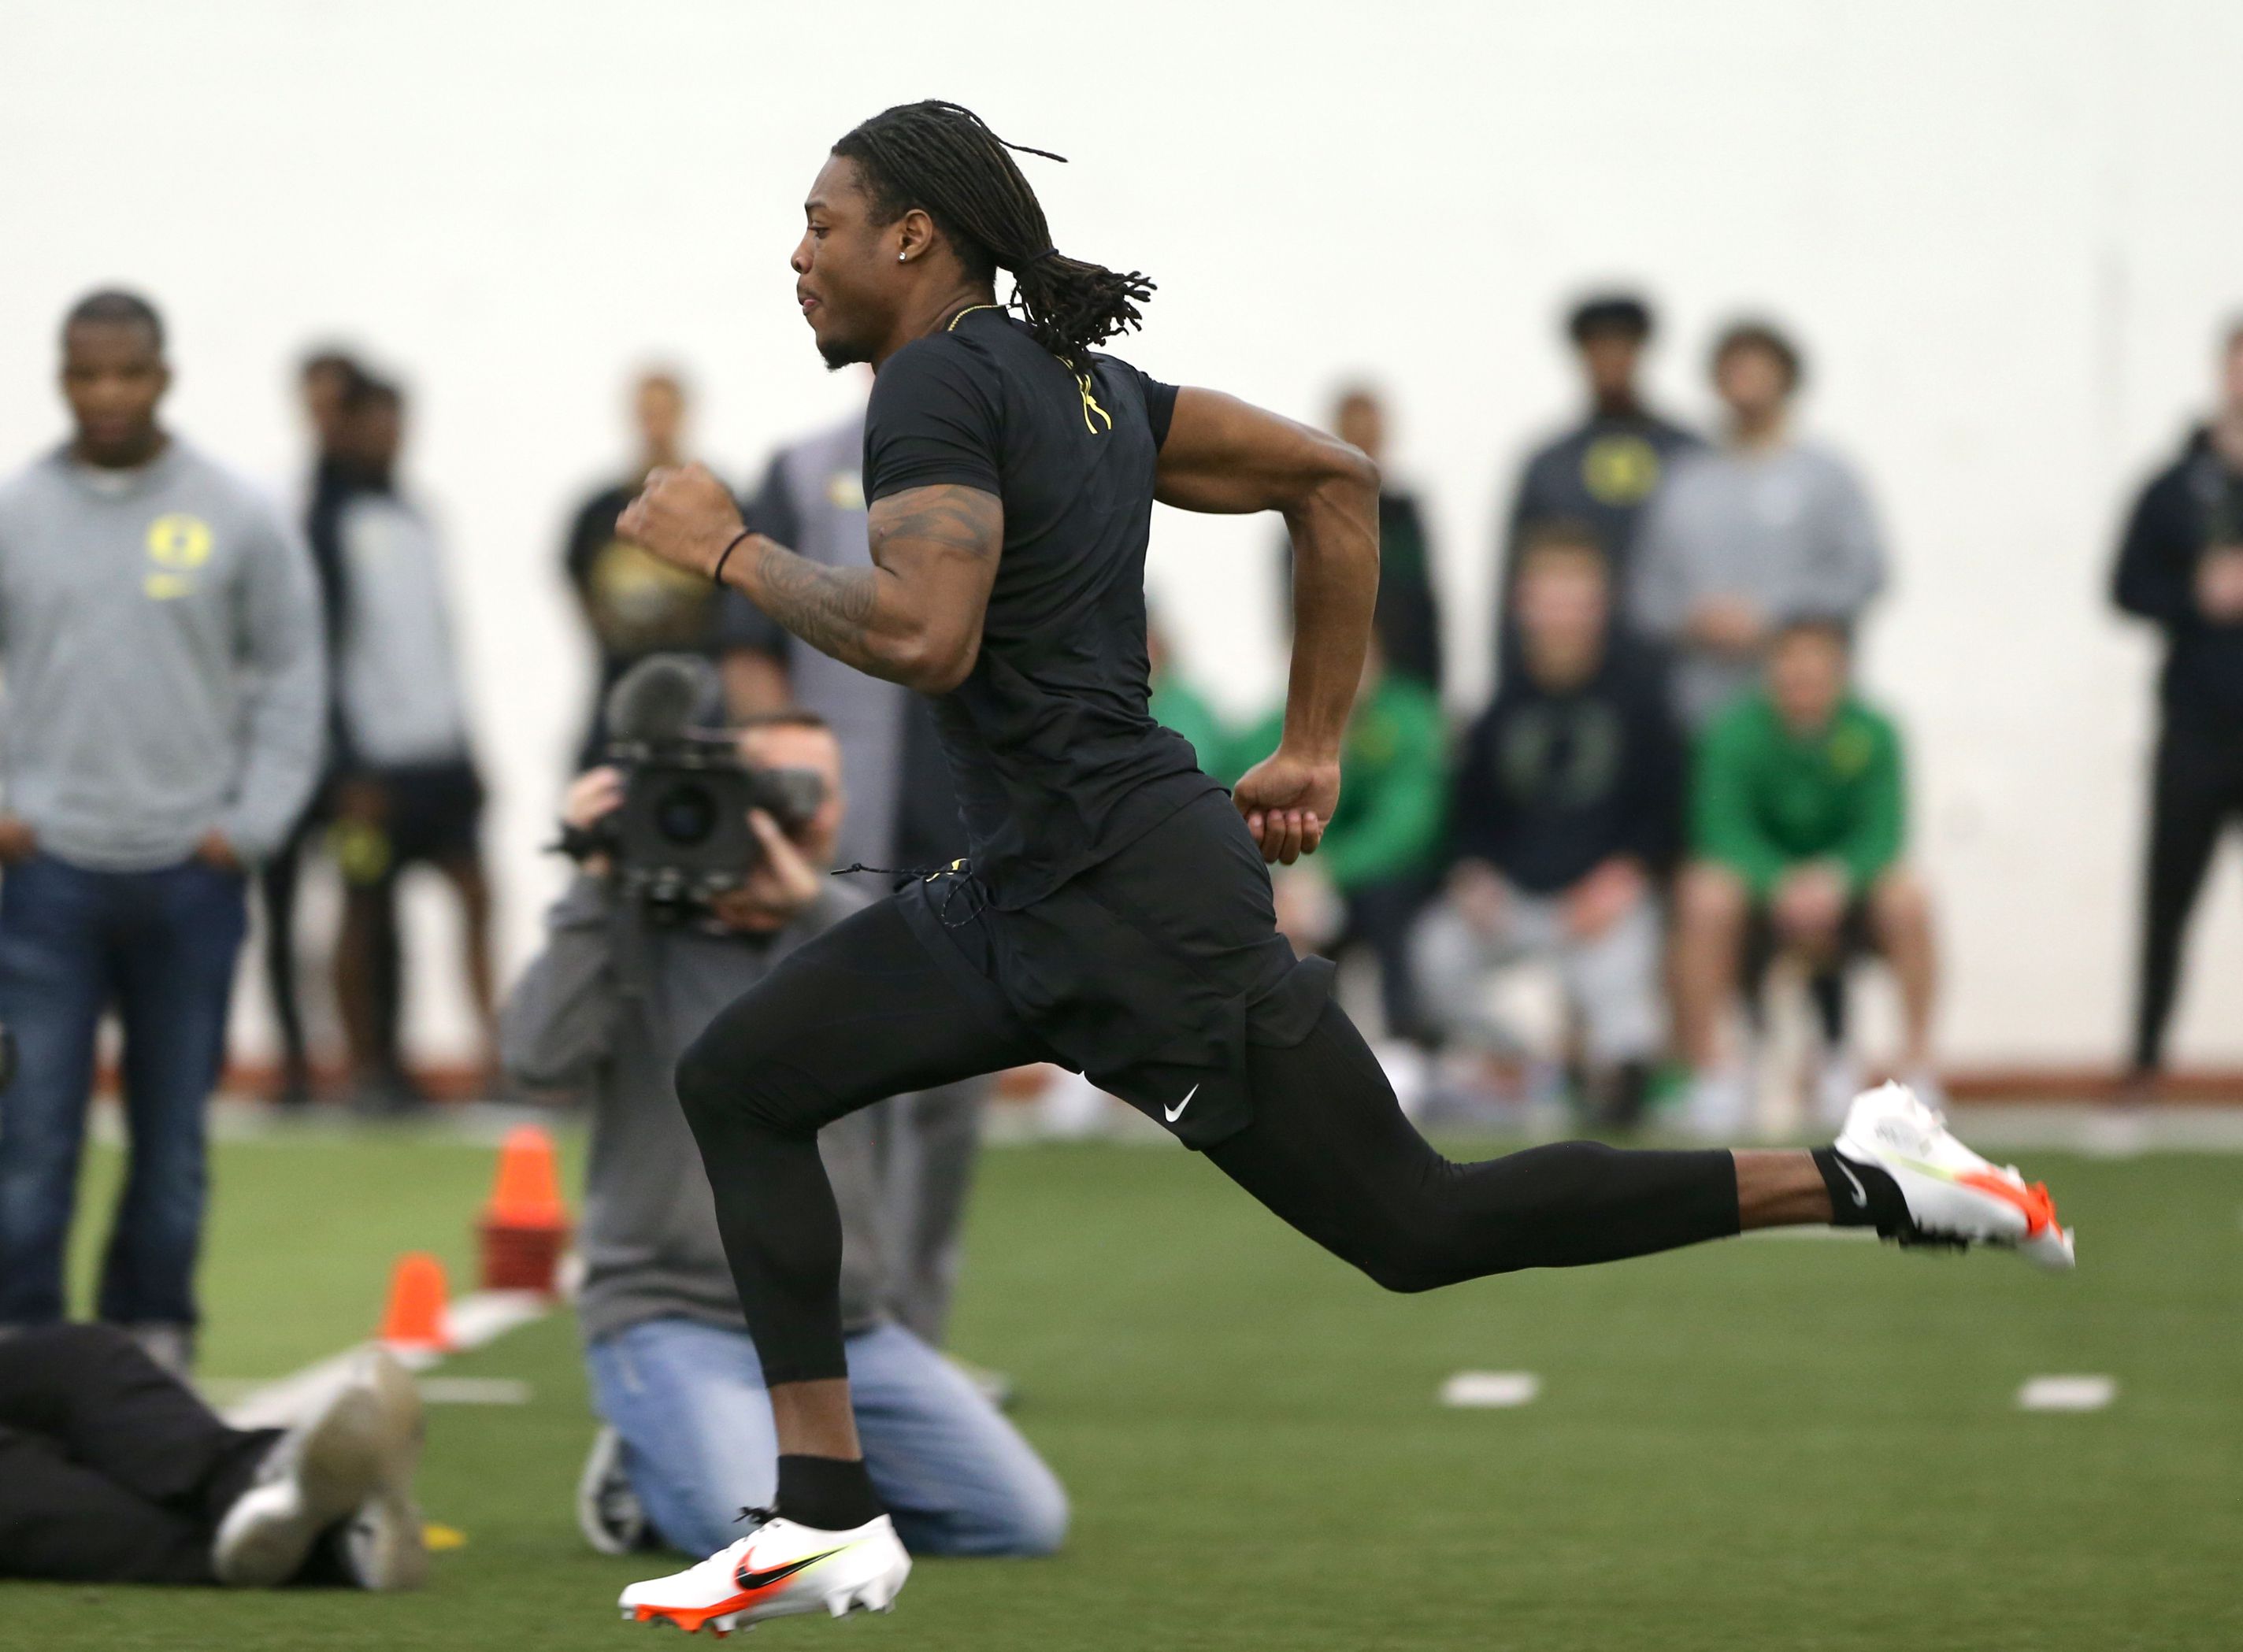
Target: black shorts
(1152,972)
(432,813)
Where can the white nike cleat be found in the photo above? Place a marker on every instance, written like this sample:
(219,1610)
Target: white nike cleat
(777,1570)
(1953,1196)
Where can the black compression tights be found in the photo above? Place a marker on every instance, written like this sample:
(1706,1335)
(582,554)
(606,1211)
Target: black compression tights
(864,1012)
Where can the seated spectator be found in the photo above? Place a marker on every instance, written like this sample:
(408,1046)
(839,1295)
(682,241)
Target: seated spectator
(1742,538)
(1376,866)
(111,1471)
(1177,703)
(406,790)
(673,1371)
(1797,815)
(1568,809)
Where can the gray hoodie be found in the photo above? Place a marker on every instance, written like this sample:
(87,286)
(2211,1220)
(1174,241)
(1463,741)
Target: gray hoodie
(650,1237)
(159,634)
(1790,529)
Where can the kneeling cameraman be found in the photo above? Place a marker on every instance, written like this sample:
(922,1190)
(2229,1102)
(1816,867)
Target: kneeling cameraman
(621,989)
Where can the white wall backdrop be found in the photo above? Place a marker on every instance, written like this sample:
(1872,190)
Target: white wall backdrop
(2007,231)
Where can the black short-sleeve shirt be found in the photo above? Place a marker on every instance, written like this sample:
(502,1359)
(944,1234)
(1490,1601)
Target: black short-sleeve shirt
(1057,763)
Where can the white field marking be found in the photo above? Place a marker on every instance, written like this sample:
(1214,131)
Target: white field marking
(475,1391)
(480,1318)
(2067,1394)
(1488,1390)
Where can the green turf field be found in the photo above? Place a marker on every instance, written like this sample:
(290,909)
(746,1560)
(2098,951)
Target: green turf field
(1767,1444)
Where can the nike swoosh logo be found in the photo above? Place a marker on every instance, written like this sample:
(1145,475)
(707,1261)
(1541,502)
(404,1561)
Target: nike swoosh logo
(1860,1194)
(1177,1112)
(751,1581)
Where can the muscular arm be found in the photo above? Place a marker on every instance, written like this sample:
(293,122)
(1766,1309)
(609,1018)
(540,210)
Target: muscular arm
(913,617)
(1222,455)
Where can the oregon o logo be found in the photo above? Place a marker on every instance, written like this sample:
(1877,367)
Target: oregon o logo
(1619,470)
(178,541)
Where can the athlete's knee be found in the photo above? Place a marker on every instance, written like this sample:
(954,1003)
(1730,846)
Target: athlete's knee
(724,1077)
(1407,1257)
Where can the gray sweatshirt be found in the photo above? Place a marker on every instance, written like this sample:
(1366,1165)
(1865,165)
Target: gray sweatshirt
(160,641)
(650,1237)
(1789,528)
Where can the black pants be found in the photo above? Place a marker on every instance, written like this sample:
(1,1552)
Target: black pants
(111,1470)
(276,886)
(2197,791)
(866,1011)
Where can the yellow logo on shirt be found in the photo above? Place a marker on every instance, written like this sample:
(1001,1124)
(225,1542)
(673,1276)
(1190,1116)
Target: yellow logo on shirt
(178,544)
(1619,470)
(178,541)
(1851,750)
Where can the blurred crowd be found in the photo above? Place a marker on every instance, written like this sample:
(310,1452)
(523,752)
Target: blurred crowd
(1676,820)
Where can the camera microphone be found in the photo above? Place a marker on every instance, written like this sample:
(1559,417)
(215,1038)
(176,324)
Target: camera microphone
(662,698)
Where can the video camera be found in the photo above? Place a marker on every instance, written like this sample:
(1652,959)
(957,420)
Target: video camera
(682,836)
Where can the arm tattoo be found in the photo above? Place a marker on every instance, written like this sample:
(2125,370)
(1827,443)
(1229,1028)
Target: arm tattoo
(827,608)
(932,550)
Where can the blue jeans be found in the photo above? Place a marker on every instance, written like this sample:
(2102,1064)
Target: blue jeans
(160,947)
(689,1401)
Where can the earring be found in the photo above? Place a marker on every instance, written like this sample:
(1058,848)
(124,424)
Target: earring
(901,257)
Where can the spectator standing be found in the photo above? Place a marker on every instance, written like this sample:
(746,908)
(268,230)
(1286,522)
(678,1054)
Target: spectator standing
(1376,860)
(2182,566)
(1599,474)
(1568,813)
(161,640)
(326,382)
(1407,619)
(673,1369)
(406,789)
(1741,540)
(902,816)
(635,604)
(1798,811)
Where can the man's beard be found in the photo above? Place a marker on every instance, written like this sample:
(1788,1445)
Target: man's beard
(840,352)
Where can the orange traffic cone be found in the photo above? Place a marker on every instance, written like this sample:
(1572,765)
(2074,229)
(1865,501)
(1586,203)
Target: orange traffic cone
(413,1321)
(525,1226)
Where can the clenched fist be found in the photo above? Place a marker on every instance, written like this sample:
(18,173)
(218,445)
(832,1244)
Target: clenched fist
(685,516)
(1288,801)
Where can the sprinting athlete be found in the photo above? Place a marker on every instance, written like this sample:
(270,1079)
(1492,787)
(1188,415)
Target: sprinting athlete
(1115,914)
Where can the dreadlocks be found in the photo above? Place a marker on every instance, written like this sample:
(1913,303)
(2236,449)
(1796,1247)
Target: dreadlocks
(943,158)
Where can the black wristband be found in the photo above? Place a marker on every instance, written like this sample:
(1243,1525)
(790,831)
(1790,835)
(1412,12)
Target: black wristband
(717,574)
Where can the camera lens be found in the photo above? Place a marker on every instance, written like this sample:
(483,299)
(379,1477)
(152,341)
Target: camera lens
(686,814)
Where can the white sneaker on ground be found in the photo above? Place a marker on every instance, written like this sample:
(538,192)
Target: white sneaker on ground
(385,1545)
(1837,1081)
(1719,1103)
(608,1512)
(778,1569)
(316,1476)
(1953,1196)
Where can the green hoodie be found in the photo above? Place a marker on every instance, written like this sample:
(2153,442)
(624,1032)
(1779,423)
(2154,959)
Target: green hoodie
(1393,785)
(1765,800)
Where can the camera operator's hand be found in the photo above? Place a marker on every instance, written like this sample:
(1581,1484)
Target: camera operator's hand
(593,795)
(18,843)
(684,515)
(782,882)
